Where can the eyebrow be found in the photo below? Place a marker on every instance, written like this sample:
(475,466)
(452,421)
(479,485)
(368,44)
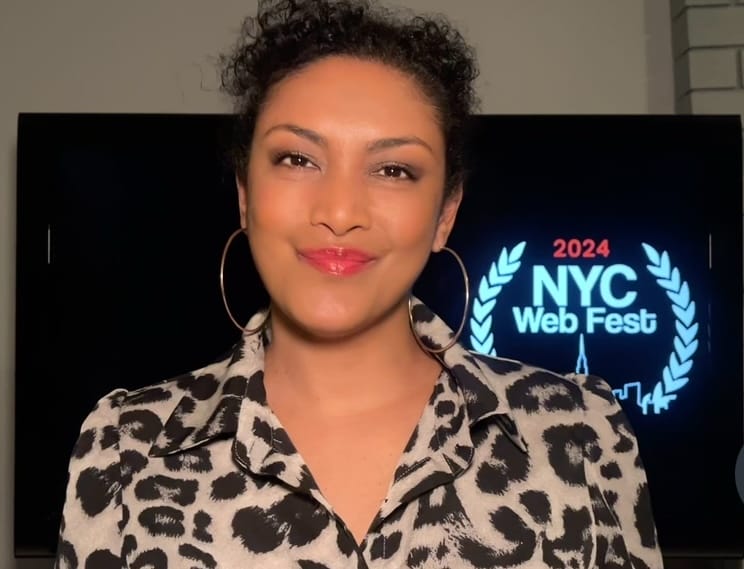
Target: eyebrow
(306,133)
(374,146)
(384,143)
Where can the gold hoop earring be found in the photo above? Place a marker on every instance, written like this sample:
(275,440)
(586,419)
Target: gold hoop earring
(243,329)
(456,337)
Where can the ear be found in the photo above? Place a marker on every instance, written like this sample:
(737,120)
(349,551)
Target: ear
(447,219)
(242,201)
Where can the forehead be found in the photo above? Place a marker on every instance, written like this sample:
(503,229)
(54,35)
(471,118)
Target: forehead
(346,96)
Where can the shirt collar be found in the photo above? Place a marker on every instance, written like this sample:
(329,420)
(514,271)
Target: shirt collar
(482,379)
(215,397)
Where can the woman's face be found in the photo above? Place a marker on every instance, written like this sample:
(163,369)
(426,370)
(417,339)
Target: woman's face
(343,196)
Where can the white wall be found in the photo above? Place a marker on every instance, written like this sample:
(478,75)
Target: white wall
(708,48)
(537,56)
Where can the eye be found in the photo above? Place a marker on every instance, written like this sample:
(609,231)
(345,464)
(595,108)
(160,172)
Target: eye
(292,160)
(397,171)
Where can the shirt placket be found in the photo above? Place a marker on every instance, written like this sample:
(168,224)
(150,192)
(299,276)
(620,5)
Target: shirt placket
(440,452)
(270,452)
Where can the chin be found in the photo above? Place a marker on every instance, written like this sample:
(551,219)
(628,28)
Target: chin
(332,317)
(327,322)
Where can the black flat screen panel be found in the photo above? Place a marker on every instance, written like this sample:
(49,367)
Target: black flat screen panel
(603,244)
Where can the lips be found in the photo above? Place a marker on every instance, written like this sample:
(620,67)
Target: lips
(337,261)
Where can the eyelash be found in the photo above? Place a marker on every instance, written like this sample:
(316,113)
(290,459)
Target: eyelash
(280,157)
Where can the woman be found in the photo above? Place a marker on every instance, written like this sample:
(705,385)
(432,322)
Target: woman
(347,429)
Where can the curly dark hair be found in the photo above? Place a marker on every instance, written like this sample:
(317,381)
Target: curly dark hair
(287,35)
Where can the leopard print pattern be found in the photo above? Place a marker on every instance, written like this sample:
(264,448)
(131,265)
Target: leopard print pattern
(509,466)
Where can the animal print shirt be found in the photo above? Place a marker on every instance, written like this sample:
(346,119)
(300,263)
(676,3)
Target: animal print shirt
(509,466)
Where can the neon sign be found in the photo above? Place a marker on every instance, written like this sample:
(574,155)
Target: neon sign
(607,303)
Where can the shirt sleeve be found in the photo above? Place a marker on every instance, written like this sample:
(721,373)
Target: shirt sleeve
(90,534)
(624,524)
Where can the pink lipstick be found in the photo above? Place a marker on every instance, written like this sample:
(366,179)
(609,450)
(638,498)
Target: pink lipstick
(337,261)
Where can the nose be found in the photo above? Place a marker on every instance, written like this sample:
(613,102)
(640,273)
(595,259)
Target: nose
(341,203)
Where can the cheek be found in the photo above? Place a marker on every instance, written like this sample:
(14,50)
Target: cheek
(272,209)
(409,223)
(271,226)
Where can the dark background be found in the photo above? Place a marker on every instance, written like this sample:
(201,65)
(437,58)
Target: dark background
(137,208)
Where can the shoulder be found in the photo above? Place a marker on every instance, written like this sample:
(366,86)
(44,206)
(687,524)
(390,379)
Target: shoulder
(162,397)
(142,412)
(539,400)
(531,389)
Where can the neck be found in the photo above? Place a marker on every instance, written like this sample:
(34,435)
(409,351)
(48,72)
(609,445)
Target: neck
(363,371)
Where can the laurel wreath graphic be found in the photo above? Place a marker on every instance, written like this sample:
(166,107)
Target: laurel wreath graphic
(501,272)
(675,374)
